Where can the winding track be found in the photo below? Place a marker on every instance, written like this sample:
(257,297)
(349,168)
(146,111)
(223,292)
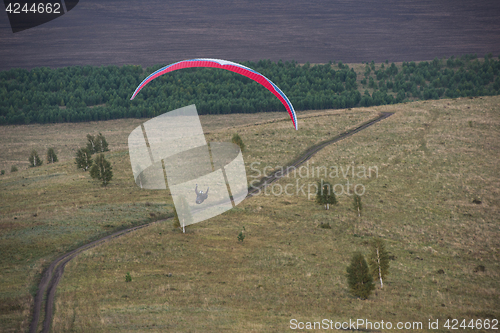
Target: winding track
(52,275)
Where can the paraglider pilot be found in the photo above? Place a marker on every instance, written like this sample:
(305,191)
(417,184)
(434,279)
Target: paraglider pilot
(200,196)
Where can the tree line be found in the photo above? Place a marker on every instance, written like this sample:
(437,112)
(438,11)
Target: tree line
(99,168)
(455,77)
(87,93)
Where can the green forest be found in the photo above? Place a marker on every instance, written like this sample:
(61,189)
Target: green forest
(86,93)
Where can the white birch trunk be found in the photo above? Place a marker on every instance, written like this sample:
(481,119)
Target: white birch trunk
(379,270)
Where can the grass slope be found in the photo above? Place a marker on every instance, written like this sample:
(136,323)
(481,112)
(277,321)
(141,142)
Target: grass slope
(49,210)
(434,158)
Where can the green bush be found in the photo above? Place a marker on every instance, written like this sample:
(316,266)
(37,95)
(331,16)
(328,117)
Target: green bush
(128,278)
(2,172)
(97,144)
(325,194)
(238,141)
(83,159)
(359,277)
(101,170)
(13,168)
(34,159)
(325,225)
(51,156)
(241,235)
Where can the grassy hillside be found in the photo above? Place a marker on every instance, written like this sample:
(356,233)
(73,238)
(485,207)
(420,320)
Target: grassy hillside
(434,160)
(49,210)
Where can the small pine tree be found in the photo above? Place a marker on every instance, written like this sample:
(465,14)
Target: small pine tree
(13,168)
(359,278)
(325,195)
(102,170)
(128,278)
(93,145)
(34,159)
(357,204)
(378,260)
(320,194)
(238,141)
(241,235)
(102,143)
(83,159)
(330,198)
(51,156)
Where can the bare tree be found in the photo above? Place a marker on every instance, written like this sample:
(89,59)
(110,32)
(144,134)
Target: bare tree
(378,260)
(357,204)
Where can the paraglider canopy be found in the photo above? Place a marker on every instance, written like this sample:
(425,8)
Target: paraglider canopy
(230,66)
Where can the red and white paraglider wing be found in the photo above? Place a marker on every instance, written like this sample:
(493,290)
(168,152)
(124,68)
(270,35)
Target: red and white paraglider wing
(230,66)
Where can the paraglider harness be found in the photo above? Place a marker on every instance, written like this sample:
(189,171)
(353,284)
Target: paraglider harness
(200,196)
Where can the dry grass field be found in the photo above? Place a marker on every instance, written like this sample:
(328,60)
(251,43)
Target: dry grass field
(435,161)
(116,32)
(49,210)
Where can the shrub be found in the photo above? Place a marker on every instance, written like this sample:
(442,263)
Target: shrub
(97,144)
(13,168)
(128,278)
(241,235)
(51,155)
(83,160)
(93,145)
(325,195)
(320,194)
(102,170)
(34,159)
(359,278)
(103,144)
(238,141)
(2,172)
